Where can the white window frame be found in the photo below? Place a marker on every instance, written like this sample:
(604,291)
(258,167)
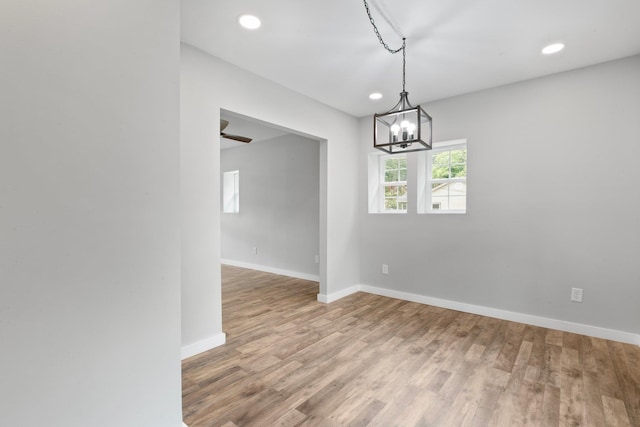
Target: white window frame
(426,204)
(375,183)
(231,192)
(383,184)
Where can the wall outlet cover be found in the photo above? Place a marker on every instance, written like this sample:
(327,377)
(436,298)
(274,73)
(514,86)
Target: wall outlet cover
(576,294)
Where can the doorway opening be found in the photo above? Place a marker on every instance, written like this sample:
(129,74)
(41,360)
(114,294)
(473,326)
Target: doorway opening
(273,209)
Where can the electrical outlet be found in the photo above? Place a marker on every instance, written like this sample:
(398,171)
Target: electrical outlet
(576,294)
(317,259)
(255,250)
(385,269)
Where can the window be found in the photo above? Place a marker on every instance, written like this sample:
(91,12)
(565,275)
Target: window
(446,176)
(231,192)
(387,183)
(393,183)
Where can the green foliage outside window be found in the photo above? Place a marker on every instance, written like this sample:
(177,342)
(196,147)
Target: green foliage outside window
(395,187)
(395,170)
(450,164)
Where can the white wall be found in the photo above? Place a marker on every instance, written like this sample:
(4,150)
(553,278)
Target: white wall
(279,205)
(89,217)
(209,84)
(552,165)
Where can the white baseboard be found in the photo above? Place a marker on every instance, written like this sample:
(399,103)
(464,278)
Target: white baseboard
(274,270)
(202,346)
(329,298)
(324,298)
(561,325)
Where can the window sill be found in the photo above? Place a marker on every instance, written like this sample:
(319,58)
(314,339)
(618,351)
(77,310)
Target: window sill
(388,213)
(443,213)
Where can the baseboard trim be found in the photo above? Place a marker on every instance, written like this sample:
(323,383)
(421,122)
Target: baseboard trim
(274,270)
(545,322)
(202,346)
(329,298)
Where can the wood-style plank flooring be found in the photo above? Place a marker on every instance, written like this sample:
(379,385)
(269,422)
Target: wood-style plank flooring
(368,360)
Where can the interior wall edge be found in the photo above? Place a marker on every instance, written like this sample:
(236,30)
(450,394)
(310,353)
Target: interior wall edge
(191,350)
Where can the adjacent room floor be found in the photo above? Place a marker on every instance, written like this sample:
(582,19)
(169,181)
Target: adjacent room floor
(367,360)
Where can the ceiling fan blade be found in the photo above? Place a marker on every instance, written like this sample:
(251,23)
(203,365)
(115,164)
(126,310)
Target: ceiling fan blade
(223,124)
(235,137)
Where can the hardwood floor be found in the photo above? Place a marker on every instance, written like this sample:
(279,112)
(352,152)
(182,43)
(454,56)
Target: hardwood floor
(367,360)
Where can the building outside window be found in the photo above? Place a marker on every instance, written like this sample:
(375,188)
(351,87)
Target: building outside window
(447,178)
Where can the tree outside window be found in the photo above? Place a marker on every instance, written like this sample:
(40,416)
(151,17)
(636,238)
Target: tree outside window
(448,179)
(394,183)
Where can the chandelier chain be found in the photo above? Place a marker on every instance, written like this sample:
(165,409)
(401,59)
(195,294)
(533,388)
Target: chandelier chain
(404,63)
(386,46)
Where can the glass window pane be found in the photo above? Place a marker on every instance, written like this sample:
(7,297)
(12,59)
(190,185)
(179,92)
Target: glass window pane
(441,189)
(402,206)
(441,158)
(459,171)
(402,163)
(403,174)
(440,172)
(391,176)
(390,191)
(458,203)
(440,196)
(442,202)
(458,189)
(391,164)
(447,166)
(402,190)
(390,204)
(459,156)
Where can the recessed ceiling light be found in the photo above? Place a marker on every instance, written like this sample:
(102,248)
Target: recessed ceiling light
(250,22)
(553,48)
(375,95)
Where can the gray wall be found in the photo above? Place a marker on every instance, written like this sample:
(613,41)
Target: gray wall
(89,214)
(553,202)
(208,85)
(279,204)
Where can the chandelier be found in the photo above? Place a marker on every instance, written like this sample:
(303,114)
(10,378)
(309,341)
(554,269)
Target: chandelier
(404,128)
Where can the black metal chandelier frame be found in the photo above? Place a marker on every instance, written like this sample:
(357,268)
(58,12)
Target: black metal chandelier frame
(404,128)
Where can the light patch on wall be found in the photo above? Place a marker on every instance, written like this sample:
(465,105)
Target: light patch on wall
(231,192)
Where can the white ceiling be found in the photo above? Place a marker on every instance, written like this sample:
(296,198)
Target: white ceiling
(327,50)
(258,131)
